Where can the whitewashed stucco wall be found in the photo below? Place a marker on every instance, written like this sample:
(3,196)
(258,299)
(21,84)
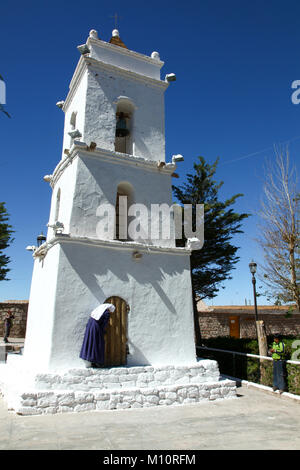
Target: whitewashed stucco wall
(104,88)
(96,184)
(77,104)
(133,62)
(66,186)
(160,322)
(38,339)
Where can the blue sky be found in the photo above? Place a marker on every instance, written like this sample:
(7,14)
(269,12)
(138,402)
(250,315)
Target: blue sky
(235,62)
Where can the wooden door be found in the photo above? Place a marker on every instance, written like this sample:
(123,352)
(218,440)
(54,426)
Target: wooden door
(116,333)
(234,327)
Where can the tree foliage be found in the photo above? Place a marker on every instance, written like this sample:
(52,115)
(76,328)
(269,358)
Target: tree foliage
(213,263)
(279,229)
(5,241)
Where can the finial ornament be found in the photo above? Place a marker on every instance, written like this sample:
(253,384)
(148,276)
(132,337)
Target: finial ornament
(93,34)
(115,33)
(155,55)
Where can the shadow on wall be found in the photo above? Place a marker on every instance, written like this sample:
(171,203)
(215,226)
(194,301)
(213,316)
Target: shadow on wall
(104,276)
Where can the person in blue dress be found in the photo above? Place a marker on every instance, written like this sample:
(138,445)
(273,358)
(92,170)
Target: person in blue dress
(93,346)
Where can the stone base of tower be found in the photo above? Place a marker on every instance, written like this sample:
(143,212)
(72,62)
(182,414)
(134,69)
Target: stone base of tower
(113,388)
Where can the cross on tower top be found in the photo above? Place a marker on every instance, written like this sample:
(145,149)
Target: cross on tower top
(116,18)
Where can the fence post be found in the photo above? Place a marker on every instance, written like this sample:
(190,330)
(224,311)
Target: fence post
(263,349)
(233,365)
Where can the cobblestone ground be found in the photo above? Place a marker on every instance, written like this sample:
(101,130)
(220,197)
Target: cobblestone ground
(254,420)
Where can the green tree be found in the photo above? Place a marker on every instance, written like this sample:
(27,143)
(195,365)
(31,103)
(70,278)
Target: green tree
(5,241)
(212,264)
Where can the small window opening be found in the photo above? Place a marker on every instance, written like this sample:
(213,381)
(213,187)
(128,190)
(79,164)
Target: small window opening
(57,207)
(123,201)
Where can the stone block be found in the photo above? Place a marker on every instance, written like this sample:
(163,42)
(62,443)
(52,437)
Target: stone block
(28,402)
(29,395)
(100,371)
(119,371)
(189,400)
(192,392)
(183,380)
(171,396)
(129,396)
(97,379)
(128,378)
(123,406)
(65,399)
(182,392)
(51,410)
(102,405)
(81,372)
(71,379)
(149,391)
(203,394)
(136,370)
(64,409)
(129,384)
(165,402)
(44,400)
(194,371)
(139,398)
(153,399)
(85,407)
(136,405)
(83,397)
(110,379)
(101,396)
(28,411)
(161,376)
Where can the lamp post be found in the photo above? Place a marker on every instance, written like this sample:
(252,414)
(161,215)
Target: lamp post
(40,239)
(252,267)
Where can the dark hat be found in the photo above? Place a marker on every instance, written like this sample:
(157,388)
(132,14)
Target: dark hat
(277,335)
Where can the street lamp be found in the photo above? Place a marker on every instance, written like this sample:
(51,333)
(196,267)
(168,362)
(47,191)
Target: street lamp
(252,267)
(40,239)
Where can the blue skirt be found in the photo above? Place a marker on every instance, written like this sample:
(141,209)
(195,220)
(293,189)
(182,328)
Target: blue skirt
(93,345)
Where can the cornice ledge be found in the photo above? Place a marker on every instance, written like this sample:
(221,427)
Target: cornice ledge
(127,52)
(112,157)
(109,244)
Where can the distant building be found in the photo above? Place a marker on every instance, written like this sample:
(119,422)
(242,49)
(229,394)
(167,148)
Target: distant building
(239,321)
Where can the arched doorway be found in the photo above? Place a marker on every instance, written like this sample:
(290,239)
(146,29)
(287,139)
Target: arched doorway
(116,334)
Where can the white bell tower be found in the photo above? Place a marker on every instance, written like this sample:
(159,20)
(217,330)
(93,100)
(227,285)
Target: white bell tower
(113,146)
(113,151)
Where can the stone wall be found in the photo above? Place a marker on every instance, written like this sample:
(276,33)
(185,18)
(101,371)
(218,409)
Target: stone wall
(215,321)
(112,388)
(19,309)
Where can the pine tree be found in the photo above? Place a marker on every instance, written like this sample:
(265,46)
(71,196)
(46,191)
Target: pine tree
(5,241)
(212,264)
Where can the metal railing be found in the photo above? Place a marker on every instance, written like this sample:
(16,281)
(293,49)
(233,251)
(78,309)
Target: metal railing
(260,378)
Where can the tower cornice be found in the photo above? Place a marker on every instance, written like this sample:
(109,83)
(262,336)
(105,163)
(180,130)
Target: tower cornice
(127,52)
(110,244)
(82,149)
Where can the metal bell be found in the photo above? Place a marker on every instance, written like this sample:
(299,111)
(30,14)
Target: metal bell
(121,129)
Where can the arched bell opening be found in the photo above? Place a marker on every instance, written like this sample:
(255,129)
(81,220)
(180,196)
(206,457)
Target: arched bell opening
(124,142)
(116,348)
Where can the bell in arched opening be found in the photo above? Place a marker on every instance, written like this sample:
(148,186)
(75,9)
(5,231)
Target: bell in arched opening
(121,127)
